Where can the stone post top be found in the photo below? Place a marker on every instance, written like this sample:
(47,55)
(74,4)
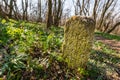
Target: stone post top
(81,19)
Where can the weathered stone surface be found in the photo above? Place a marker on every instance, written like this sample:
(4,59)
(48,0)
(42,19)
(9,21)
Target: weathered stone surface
(78,38)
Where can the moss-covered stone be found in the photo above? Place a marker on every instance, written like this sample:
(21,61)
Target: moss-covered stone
(78,38)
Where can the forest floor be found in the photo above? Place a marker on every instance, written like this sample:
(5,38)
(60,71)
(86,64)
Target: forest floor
(30,52)
(107,58)
(113,44)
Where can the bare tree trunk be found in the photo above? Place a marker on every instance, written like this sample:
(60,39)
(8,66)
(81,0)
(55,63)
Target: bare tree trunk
(76,7)
(3,14)
(57,12)
(25,8)
(10,5)
(81,7)
(107,26)
(49,15)
(94,14)
(16,12)
(11,8)
(114,27)
(105,8)
(39,11)
(6,5)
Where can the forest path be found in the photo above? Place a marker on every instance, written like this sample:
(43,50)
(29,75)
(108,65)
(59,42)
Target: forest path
(113,44)
(113,59)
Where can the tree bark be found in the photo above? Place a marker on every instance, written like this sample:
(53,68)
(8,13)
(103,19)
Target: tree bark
(39,11)
(11,8)
(114,27)
(105,8)
(57,12)
(25,9)
(49,14)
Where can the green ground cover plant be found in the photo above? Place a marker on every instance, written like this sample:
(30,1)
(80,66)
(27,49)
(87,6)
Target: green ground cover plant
(28,51)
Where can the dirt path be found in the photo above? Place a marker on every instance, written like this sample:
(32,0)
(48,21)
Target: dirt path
(113,44)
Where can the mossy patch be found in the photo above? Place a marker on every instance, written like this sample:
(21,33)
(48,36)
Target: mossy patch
(78,38)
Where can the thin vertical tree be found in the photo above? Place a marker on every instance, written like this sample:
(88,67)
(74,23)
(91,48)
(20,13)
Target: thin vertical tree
(49,14)
(39,11)
(25,9)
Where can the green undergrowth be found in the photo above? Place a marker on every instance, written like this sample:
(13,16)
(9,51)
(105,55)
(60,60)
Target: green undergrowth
(108,36)
(29,51)
(103,62)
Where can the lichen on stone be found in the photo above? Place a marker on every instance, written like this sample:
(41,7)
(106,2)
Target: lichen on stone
(78,37)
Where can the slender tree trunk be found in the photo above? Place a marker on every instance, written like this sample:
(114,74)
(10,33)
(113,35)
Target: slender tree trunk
(57,13)
(107,26)
(94,14)
(23,15)
(26,9)
(11,9)
(39,11)
(114,27)
(105,8)
(49,15)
